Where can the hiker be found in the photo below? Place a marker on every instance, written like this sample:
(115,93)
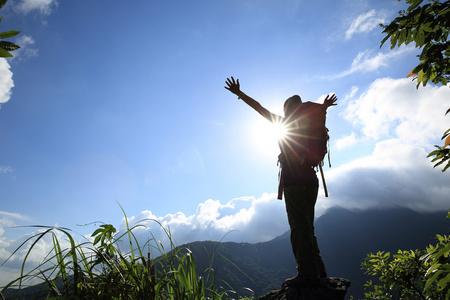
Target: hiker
(299,155)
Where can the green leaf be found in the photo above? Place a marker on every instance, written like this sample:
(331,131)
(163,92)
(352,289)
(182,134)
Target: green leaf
(433,268)
(99,230)
(393,35)
(97,239)
(420,38)
(8,46)
(4,53)
(432,280)
(443,251)
(415,4)
(402,37)
(446,167)
(8,34)
(430,27)
(2,2)
(384,40)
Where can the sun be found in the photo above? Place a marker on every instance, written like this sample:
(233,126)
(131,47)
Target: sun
(265,136)
(279,130)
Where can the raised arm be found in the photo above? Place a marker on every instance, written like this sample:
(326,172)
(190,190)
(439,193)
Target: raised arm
(234,87)
(330,101)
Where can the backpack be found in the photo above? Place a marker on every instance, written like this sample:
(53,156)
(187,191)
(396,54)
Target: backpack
(306,138)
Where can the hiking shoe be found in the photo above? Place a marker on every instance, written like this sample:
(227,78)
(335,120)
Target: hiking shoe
(301,281)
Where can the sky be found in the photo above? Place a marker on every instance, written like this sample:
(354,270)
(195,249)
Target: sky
(111,105)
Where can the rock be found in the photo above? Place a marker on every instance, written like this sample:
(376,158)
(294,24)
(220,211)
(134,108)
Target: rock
(332,288)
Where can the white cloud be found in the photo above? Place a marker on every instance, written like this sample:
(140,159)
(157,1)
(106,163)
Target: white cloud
(8,219)
(405,123)
(366,61)
(365,23)
(7,246)
(395,108)
(396,174)
(6,81)
(12,257)
(352,93)
(11,215)
(43,6)
(244,219)
(26,49)
(346,141)
(5,169)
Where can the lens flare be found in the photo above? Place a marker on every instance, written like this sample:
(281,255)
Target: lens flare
(278,130)
(265,136)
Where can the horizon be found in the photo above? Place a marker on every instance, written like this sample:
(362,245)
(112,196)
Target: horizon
(110,106)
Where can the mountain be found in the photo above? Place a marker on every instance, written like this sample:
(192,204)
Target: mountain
(345,238)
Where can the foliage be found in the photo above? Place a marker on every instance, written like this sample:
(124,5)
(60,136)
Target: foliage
(412,274)
(438,258)
(401,275)
(6,46)
(442,154)
(428,27)
(419,274)
(101,270)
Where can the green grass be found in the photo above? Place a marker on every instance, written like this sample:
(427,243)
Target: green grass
(99,269)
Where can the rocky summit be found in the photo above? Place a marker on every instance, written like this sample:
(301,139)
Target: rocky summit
(331,288)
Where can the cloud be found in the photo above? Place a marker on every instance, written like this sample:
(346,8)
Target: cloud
(7,246)
(43,6)
(12,257)
(404,123)
(8,219)
(6,81)
(365,23)
(10,215)
(396,174)
(352,93)
(244,219)
(395,108)
(5,169)
(346,142)
(367,61)
(400,121)
(26,50)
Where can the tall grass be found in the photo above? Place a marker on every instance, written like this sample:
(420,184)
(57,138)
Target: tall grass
(99,269)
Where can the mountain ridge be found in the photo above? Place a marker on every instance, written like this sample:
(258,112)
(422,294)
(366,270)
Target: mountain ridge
(345,238)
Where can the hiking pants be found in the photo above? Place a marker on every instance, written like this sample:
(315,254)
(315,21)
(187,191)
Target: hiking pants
(300,202)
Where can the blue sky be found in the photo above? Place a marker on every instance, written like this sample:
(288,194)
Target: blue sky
(124,102)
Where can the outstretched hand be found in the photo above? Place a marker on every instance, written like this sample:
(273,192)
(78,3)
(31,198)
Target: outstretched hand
(330,101)
(233,86)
